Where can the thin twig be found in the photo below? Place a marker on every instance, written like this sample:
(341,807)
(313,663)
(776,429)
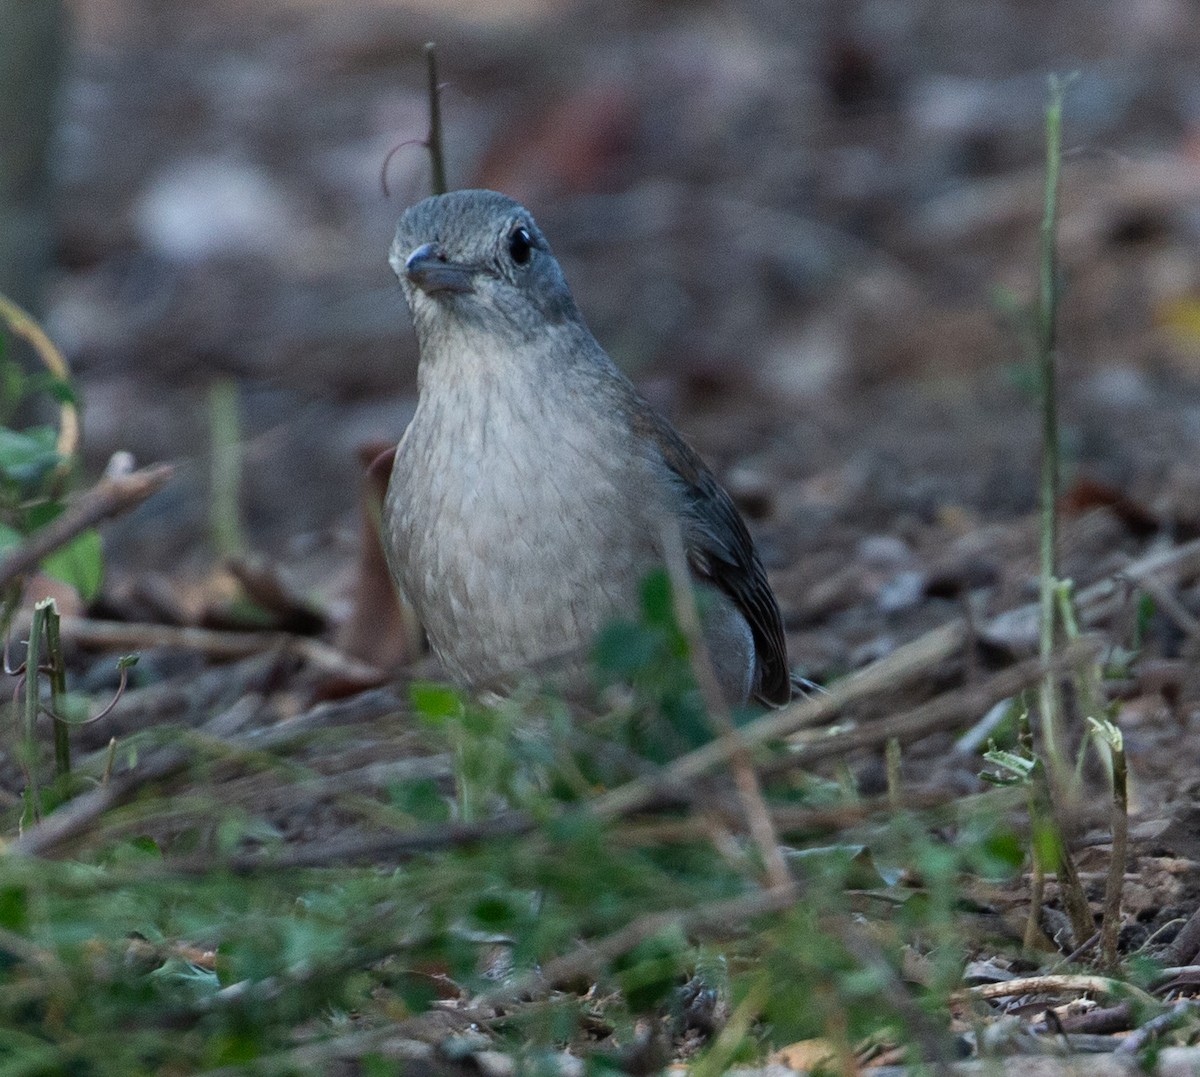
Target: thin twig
(758,818)
(900,667)
(215,644)
(109,497)
(1164,1022)
(58,690)
(1166,601)
(61,720)
(591,958)
(1099,600)
(76,816)
(1043,985)
(1047,348)
(437,156)
(1078,952)
(1185,947)
(945,712)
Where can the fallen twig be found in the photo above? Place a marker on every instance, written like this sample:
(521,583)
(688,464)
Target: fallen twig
(591,958)
(1141,1037)
(109,497)
(745,778)
(1099,600)
(1045,985)
(76,816)
(1185,947)
(215,644)
(900,667)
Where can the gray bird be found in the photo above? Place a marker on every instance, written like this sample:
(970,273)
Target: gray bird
(530,491)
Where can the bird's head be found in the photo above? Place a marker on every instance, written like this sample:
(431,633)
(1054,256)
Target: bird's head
(477,258)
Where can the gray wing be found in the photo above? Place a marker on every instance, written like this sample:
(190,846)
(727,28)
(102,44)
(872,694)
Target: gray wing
(721,553)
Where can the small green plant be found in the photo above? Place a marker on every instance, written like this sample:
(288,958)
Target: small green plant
(38,461)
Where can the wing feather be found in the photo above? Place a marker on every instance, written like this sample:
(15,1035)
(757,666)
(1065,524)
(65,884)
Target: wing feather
(721,552)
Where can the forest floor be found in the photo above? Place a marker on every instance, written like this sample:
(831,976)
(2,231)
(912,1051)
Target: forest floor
(809,231)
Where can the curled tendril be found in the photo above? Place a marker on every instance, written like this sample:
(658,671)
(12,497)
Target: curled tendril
(124,667)
(392,153)
(19,671)
(9,669)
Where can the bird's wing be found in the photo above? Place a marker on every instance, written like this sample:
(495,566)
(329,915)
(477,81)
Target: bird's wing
(721,552)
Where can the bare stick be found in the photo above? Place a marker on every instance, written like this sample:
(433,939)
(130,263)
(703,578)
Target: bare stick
(591,958)
(758,818)
(898,668)
(58,688)
(437,157)
(77,815)
(1138,1040)
(109,497)
(1038,985)
(1047,349)
(360,849)
(213,643)
(945,712)
(1185,947)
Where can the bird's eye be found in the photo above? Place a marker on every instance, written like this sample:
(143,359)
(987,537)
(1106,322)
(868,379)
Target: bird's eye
(520,245)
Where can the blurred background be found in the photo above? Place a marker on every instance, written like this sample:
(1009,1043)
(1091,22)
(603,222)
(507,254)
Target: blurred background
(807,228)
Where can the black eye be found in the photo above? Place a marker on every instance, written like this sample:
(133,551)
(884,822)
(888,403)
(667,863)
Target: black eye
(520,245)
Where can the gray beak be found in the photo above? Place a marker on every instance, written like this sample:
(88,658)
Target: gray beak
(428,268)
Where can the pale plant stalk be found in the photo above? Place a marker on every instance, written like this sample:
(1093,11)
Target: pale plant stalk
(1047,348)
(58,687)
(33,658)
(1110,927)
(226,468)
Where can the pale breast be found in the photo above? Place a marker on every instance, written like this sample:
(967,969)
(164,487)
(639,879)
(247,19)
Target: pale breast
(516,534)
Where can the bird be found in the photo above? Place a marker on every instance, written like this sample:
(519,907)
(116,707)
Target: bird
(531,490)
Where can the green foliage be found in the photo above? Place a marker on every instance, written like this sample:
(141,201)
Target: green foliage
(34,469)
(132,960)
(651,653)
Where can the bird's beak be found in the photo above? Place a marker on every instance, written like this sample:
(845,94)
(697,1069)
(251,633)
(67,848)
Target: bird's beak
(429,269)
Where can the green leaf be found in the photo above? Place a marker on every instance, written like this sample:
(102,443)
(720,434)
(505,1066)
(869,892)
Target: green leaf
(649,971)
(494,912)
(10,538)
(80,564)
(421,799)
(62,391)
(28,456)
(656,599)
(624,648)
(14,908)
(436,702)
